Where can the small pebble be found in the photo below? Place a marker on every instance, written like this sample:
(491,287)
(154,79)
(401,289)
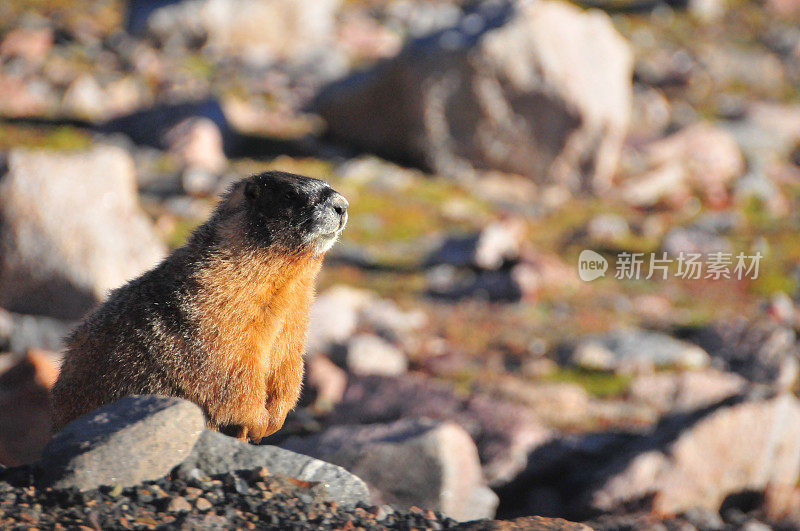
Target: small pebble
(203,504)
(179,505)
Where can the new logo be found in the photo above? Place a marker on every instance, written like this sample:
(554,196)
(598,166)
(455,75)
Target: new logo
(591,265)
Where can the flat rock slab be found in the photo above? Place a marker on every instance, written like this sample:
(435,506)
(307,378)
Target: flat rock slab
(135,439)
(215,453)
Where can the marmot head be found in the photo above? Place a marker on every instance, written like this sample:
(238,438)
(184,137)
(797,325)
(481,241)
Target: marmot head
(279,209)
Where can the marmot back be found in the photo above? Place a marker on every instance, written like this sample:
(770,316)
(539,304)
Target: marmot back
(222,321)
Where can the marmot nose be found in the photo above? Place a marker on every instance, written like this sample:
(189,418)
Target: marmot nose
(339,204)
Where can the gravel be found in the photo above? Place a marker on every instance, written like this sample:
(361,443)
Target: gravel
(243,499)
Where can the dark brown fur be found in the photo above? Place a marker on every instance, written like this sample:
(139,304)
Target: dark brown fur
(222,321)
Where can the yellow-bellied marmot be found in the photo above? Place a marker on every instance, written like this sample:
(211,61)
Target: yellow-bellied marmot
(222,321)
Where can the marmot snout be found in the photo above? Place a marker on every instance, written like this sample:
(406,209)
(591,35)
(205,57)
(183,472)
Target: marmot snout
(222,321)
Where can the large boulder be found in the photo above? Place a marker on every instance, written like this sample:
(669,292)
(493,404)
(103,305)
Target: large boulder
(541,89)
(215,453)
(729,449)
(70,230)
(135,439)
(421,463)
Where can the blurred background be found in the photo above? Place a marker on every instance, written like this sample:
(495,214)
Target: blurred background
(482,146)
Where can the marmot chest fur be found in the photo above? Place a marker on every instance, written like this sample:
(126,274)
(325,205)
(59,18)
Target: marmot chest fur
(222,321)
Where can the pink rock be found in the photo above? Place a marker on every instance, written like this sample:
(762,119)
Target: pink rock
(327,380)
(701,158)
(31,44)
(25,407)
(197,142)
(685,390)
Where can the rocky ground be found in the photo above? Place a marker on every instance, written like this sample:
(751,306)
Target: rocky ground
(224,501)
(456,361)
(112,470)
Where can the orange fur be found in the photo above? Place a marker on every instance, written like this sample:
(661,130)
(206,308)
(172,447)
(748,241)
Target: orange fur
(254,315)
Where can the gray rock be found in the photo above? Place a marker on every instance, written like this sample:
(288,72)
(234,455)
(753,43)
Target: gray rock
(456,251)
(135,439)
(516,87)
(650,112)
(633,350)
(19,333)
(215,453)
(410,462)
(694,240)
(368,354)
(71,229)
(556,403)
(707,11)
(325,381)
(421,18)
(499,243)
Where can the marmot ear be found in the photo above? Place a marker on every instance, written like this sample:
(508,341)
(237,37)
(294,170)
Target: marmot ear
(252,190)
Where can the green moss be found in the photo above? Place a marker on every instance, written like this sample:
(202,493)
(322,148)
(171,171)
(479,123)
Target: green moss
(397,286)
(392,224)
(102,16)
(199,66)
(180,232)
(381,217)
(42,137)
(600,384)
(320,169)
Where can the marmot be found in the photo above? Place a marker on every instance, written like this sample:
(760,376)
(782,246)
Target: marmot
(221,321)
